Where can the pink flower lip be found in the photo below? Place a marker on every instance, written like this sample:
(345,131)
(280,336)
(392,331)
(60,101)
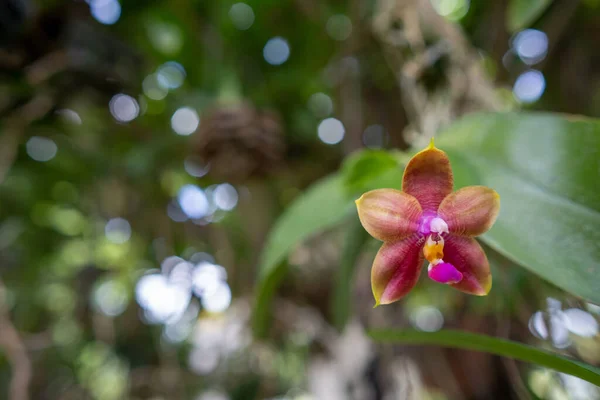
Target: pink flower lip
(444,273)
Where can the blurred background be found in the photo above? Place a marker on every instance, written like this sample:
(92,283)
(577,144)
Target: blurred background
(148,147)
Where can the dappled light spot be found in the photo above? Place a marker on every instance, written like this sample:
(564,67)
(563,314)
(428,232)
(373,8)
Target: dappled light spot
(41,149)
(225,197)
(276,51)
(531,45)
(331,131)
(320,104)
(185,121)
(427,319)
(193,201)
(153,89)
(110,298)
(242,16)
(375,137)
(124,108)
(339,27)
(106,12)
(117,230)
(453,10)
(170,75)
(529,86)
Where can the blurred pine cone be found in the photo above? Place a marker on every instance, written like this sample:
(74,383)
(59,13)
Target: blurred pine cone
(239,142)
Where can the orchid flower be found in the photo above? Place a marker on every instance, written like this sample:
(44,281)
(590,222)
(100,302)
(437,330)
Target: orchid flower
(426,220)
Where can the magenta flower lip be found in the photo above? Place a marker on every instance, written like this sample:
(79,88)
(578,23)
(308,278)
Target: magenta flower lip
(426,220)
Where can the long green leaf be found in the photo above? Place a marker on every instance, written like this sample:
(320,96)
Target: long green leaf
(545,168)
(492,345)
(322,206)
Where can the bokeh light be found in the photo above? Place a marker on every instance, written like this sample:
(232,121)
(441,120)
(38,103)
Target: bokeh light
(124,108)
(320,104)
(242,16)
(339,27)
(218,301)
(529,86)
(111,298)
(163,302)
(194,167)
(165,37)
(331,131)
(193,201)
(70,115)
(581,322)
(427,319)
(201,256)
(175,212)
(106,12)
(276,51)
(66,220)
(153,89)
(555,324)
(170,75)
(206,278)
(203,362)
(117,230)
(212,395)
(181,274)
(531,45)
(41,149)
(375,137)
(167,265)
(453,10)
(185,121)
(225,197)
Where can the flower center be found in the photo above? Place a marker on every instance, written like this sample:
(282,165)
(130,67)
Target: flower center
(432,224)
(433,250)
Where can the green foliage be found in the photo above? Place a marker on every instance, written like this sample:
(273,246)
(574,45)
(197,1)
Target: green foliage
(497,346)
(545,169)
(522,13)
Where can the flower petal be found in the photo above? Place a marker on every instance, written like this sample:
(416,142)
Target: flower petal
(468,258)
(428,177)
(389,214)
(396,269)
(471,210)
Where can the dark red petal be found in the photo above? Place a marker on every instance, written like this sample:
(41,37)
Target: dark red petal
(428,177)
(396,269)
(468,258)
(471,210)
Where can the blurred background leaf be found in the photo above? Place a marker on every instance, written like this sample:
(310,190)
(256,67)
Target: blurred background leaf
(522,14)
(321,207)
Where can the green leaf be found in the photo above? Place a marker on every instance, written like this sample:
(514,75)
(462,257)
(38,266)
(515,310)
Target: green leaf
(522,13)
(488,344)
(356,236)
(545,168)
(322,206)
(361,167)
